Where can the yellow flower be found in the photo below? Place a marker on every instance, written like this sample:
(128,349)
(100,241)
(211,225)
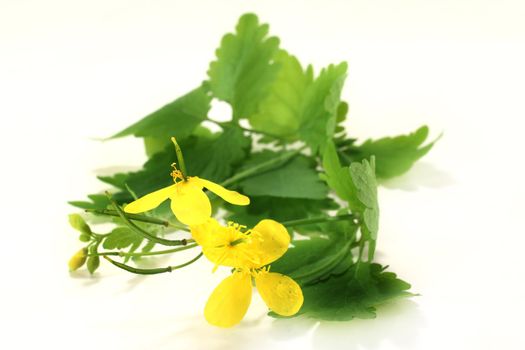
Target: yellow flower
(189,203)
(247,252)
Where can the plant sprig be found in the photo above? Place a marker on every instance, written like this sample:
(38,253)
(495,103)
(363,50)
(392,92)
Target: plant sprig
(294,160)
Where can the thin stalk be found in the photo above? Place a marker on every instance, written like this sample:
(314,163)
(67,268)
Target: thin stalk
(135,217)
(158,252)
(138,230)
(152,271)
(319,220)
(260,167)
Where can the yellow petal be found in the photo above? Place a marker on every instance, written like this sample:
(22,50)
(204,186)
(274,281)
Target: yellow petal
(205,233)
(150,201)
(270,241)
(190,205)
(229,301)
(216,242)
(280,293)
(232,197)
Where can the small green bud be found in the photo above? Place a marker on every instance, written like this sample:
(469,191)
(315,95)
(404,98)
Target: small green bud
(77,222)
(93,263)
(78,259)
(84,237)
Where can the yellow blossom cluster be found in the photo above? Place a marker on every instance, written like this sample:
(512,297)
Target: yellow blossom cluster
(248,251)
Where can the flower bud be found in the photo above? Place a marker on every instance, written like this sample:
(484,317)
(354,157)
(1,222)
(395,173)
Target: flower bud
(78,259)
(77,222)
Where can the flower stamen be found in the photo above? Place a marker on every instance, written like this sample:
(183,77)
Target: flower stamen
(176,174)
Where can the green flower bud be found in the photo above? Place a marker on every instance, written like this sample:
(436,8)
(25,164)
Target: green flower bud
(84,237)
(93,263)
(77,222)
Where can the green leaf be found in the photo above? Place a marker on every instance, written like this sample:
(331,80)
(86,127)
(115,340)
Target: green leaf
(297,178)
(357,185)
(345,297)
(299,106)
(318,257)
(394,155)
(320,108)
(364,181)
(337,177)
(98,201)
(214,159)
(179,118)
(209,156)
(117,180)
(280,113)
(244,70)
(120,238)
(279,209)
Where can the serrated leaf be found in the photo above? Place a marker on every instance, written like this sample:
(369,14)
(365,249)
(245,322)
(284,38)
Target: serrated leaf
(214,159)
(280,113)
(364,181)
(279,209)
(178,118)
(117,180)
(337,177)
(244,69)
(319,111)
(394,155)
(297,178)
(120,238)
(345,297)
(210,156)
(318,257)
(299,106)
(98,201)
(357,185)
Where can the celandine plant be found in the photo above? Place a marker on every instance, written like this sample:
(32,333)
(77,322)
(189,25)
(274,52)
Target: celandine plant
(307,190)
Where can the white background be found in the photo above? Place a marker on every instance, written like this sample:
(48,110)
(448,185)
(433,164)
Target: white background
(73,71)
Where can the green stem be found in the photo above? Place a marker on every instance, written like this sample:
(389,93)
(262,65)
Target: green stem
(135,217)
(139,231)
(180,158)
(158,252)
(151,271)
(261,167)
(319,220)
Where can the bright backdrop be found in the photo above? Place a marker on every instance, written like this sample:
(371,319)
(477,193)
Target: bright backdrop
(73,71)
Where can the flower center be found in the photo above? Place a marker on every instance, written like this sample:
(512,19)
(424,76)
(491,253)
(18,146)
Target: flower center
(176,174)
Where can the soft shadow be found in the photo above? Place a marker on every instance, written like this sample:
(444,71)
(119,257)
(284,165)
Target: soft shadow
(421,175)
(86,277)
(134,282)
(148,263)
(246,335)
(398,323)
